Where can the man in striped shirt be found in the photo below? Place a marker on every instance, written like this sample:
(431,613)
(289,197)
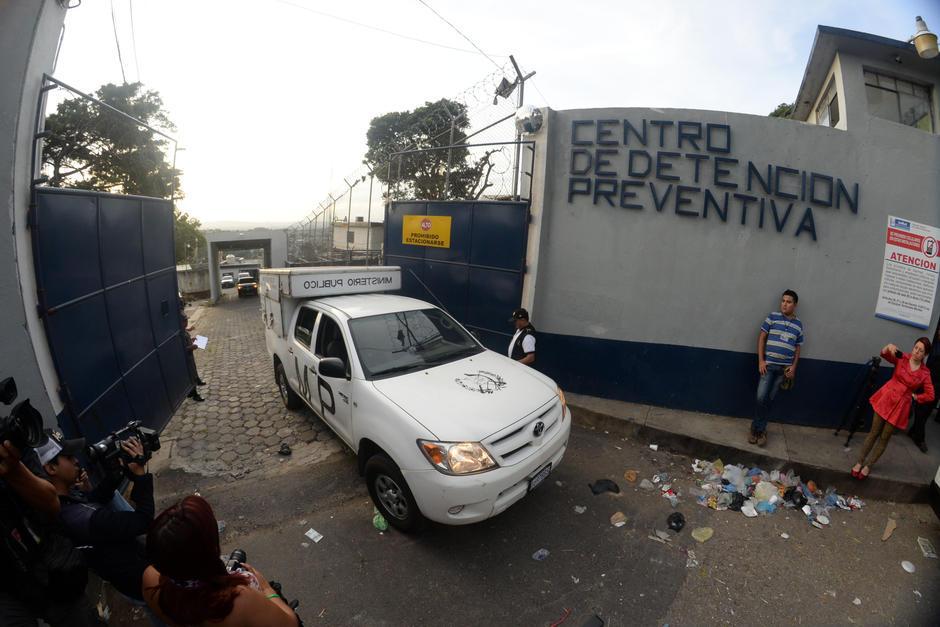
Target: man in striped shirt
(778,352)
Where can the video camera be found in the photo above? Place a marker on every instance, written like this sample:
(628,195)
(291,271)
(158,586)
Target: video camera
(234,564)
(108,451)
(23,426)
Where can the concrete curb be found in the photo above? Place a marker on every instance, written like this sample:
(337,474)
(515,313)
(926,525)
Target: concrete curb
(872,488)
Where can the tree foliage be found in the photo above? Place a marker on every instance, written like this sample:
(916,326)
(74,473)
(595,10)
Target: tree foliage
(190,242)
(425,174)
(90,147)
(783,110)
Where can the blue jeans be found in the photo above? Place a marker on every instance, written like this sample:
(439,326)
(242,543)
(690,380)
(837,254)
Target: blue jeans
(766,391)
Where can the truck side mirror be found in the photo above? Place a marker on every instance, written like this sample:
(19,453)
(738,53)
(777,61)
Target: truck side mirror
(332,367)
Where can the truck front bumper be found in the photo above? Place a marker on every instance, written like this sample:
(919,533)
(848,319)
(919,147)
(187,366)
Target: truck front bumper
(456,500)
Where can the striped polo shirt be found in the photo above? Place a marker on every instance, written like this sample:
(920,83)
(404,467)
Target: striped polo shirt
(783,336)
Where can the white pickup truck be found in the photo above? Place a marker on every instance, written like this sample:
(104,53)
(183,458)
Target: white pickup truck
(443,428)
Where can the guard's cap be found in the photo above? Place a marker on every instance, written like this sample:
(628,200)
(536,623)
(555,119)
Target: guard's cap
(519,314)
(56,444)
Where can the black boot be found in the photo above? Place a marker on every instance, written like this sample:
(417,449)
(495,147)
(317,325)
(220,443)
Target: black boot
(200,382)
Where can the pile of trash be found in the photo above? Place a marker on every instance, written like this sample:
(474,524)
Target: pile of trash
(753,491)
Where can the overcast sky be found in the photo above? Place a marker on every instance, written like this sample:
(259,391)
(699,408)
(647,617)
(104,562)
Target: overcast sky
(272,98)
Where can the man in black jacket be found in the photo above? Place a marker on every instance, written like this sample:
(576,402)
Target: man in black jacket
(41,575)
(108,535)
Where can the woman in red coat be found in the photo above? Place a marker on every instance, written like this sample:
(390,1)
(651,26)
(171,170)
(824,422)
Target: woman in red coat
(892,403)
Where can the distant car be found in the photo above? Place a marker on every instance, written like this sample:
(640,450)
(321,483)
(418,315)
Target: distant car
(245,275)
(228,280)
(247,286)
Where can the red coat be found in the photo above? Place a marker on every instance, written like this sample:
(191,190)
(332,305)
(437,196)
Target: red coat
(893,401)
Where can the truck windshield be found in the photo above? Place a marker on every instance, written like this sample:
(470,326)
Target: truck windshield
(245,279)
(406,341)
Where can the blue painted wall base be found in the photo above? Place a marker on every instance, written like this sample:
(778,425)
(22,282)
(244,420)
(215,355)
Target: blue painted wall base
(698,379)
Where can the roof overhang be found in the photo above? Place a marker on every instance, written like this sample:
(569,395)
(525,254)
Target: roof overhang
(830,40)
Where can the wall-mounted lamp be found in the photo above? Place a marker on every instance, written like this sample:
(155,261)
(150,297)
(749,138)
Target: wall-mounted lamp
(924,41)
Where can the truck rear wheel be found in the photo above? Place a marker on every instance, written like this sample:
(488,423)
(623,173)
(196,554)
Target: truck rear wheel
(391,494)
(290,398)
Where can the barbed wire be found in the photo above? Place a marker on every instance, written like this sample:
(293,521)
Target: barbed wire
(481,113)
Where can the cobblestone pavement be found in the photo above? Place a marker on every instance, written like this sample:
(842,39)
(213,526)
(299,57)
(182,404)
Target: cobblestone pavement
(242,423)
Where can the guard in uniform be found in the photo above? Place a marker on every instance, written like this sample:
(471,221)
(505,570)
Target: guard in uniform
(522,346)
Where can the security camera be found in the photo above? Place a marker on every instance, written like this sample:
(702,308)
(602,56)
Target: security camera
(528,119)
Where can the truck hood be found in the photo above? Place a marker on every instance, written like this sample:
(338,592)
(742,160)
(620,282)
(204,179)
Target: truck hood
(469,399)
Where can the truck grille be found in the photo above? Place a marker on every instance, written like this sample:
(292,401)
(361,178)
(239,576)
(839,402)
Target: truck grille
(518,441)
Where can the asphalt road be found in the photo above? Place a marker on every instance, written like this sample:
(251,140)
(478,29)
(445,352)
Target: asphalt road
(485,574)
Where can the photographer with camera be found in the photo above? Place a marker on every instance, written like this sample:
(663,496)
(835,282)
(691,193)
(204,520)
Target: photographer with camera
(42,575)
(189,584)
(109,536)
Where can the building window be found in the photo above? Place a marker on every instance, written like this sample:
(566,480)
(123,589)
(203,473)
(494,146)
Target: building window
(351,237)
(827,114)
(898,100)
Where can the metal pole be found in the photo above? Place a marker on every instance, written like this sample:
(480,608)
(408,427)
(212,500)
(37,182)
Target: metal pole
(520,100)
(369,223)
(453,122)
(348,219)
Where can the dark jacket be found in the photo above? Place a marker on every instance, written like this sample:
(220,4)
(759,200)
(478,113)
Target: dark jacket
(517,351)
(109,537)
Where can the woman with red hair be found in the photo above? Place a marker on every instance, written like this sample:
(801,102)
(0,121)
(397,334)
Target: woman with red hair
(188,583)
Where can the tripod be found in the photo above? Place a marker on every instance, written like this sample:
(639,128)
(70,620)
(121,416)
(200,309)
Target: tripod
(855,416)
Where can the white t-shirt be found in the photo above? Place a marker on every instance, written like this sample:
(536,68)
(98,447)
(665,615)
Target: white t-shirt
(528,343)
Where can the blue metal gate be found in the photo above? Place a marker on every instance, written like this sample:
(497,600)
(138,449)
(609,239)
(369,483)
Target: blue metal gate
(478,279)
(108,298)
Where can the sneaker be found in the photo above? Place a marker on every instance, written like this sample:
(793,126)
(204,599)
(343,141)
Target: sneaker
(762,439)
(752,437)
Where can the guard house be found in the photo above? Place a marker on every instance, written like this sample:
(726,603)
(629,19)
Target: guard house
(661,238)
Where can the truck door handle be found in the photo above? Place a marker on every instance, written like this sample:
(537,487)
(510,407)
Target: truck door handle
(290,350)
(344,397)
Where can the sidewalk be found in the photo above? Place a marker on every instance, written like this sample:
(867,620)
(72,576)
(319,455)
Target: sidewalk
(903,474)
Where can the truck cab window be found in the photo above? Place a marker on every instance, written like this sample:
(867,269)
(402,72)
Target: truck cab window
(330,340)
(304,329)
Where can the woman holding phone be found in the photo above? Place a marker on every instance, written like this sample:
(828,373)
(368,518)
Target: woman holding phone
(892,402)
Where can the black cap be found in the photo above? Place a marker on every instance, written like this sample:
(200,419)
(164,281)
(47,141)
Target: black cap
(519,314)
(56,445)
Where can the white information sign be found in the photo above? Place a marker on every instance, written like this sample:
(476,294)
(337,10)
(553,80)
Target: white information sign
(909,274)
(326,283)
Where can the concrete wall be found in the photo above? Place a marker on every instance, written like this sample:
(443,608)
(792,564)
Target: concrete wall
(29,32)
(193,281)
(360,231)
(639,279)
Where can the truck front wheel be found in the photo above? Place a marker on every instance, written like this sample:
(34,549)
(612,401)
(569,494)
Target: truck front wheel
(290,398)
(391,494)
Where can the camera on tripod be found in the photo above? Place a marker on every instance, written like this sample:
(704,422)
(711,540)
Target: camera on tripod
(109,450)
(23,426)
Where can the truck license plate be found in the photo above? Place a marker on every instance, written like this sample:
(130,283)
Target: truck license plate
(539,477)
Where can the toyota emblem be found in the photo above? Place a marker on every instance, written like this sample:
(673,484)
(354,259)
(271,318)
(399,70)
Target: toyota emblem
(539,428)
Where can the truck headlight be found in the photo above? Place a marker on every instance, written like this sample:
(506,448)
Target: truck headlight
(457,458)
(564,403)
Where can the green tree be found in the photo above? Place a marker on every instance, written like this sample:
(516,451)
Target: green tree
(430,174)
(783,110)
(190,242)
(90,147)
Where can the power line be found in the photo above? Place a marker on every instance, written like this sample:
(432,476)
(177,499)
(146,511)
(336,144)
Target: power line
(539,91)
(134,39)
(117,43)
(376,28)
(459,33)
